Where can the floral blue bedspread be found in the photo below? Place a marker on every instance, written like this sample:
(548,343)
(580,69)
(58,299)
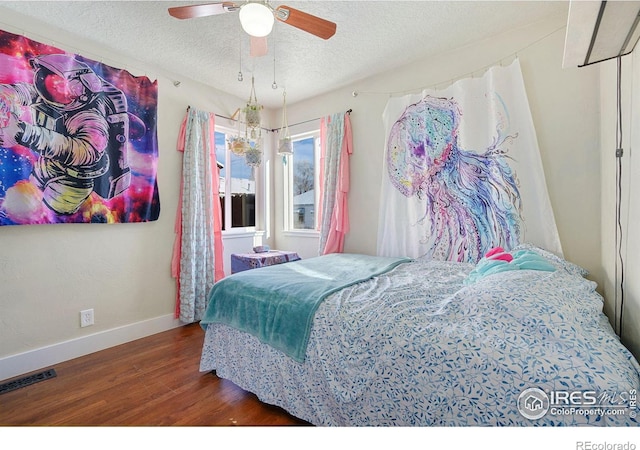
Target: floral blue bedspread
(277,303)
(419,347)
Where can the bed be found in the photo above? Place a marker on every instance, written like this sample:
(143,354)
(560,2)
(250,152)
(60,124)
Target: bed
(426,343)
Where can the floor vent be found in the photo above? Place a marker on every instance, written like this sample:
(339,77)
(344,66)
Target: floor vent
(26,381)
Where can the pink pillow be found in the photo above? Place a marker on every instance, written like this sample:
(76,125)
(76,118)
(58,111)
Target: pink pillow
(499,253)
(493,251)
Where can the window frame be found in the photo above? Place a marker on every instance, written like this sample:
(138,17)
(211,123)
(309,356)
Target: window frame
(227,220)
(289,212)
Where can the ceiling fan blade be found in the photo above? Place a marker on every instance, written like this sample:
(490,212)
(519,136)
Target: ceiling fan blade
(258,46)
(207,9)
(306,22)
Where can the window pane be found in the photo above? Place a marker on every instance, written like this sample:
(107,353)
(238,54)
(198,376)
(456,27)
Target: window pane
(243,193)
(304,200)
(220,158)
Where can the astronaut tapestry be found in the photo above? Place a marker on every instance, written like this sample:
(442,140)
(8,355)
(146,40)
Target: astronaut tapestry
(78,138)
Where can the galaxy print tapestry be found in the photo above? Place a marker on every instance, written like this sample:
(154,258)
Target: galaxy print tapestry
(78,140)
(462,172)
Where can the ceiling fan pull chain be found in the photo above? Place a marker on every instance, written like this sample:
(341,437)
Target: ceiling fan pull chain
(240,77)
(274,85)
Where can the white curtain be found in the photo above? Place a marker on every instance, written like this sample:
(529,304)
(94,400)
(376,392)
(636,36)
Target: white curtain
(462,172)
(336,148)
(197,259)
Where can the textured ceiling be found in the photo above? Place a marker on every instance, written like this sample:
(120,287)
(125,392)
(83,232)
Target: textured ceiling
(372,37)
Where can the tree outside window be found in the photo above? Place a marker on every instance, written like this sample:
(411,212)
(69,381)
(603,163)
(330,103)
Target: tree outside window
(304,181)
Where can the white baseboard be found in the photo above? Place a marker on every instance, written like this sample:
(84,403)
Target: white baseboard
(23,363)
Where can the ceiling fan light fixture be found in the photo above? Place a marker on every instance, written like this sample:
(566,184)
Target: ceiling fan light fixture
(256,19)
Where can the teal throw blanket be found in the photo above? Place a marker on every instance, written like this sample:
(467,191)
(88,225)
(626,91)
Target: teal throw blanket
(277,303)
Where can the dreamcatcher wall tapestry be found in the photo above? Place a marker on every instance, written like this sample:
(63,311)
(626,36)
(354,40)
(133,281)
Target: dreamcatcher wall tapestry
(462,172)
(78,139)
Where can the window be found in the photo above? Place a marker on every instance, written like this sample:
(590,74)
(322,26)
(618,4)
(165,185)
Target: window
(237,185)
(303,182)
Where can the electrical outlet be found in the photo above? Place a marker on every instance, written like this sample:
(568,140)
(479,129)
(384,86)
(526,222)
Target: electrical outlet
(86,317)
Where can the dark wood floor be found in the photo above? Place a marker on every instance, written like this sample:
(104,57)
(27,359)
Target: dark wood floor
(151,381)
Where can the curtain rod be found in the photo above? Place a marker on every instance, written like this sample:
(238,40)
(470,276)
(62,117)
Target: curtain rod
(277,129)
(311,120)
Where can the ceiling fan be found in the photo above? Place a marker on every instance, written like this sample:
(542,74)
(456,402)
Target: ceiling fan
(257,18)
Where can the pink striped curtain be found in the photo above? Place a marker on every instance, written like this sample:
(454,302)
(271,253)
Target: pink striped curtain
(336,147)
(197,253)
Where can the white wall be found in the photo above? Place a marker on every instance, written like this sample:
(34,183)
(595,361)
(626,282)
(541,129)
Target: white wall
(49,273)
(630,199)
(565,109)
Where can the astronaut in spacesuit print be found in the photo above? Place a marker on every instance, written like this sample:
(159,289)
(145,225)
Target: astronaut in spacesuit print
(76,118)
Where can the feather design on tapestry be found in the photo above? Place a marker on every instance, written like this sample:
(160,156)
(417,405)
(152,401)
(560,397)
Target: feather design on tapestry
(472,198)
